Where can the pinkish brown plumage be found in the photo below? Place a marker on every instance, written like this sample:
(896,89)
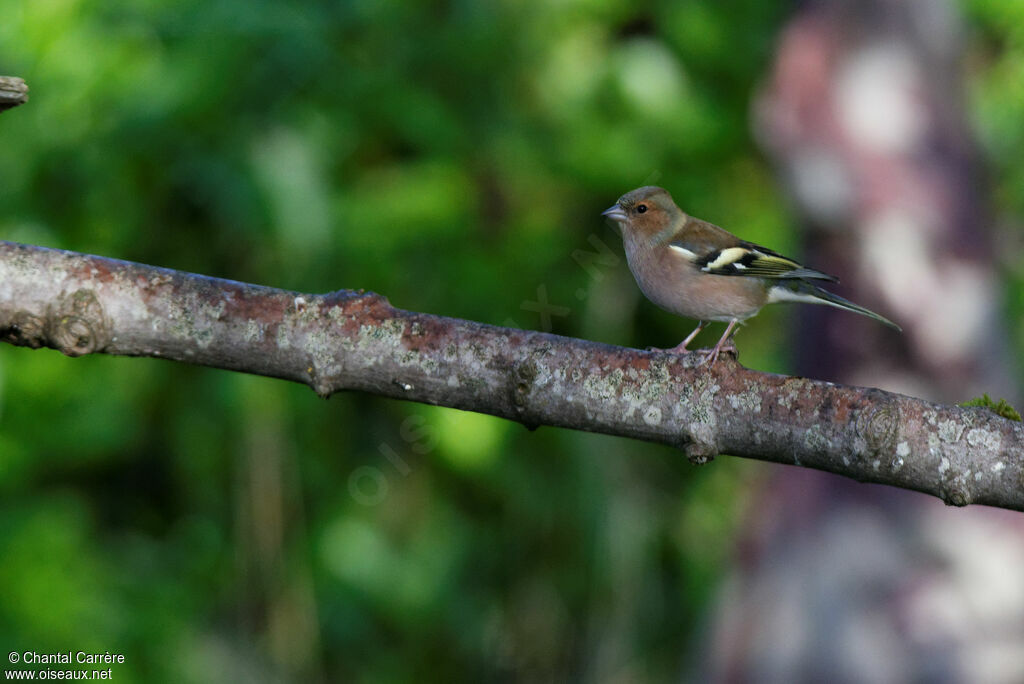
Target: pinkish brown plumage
(695,269)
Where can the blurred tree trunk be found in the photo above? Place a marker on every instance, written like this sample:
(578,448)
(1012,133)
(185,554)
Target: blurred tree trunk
(863,113)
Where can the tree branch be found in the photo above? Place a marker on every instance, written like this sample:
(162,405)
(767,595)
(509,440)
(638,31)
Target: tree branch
(351,340)
(13,92)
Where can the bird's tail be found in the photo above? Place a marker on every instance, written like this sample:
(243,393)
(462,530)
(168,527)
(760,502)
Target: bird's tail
(803,291)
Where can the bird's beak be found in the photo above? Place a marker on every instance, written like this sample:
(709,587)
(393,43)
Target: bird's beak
(615,213)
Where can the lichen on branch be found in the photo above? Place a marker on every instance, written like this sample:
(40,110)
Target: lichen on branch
(353,340)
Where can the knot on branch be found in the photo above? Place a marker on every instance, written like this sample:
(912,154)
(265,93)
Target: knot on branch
(77,325)
(701,448)
(879,426)
(956,497)
(25,330)
(523,378)
(324,387)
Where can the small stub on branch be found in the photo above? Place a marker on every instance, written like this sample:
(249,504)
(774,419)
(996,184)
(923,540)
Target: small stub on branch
(13,92)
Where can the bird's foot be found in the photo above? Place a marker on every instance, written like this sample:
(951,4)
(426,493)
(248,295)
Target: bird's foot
(711,355)
(664,350)
(679,348)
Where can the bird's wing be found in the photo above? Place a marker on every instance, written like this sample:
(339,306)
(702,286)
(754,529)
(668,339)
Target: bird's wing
(715,250)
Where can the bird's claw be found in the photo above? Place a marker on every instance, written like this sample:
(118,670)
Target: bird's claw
(711,355)
(679,349)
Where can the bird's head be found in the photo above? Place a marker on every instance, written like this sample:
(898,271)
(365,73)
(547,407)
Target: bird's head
(645,212)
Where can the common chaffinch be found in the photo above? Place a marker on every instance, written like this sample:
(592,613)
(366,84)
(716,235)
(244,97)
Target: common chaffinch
(693,268)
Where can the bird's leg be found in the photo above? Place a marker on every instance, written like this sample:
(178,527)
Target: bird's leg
(724,344)
(681,347)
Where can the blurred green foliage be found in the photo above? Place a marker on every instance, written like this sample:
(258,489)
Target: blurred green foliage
(452,156)
(995,70)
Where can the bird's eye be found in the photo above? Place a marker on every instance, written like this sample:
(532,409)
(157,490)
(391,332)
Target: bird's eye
(641,208)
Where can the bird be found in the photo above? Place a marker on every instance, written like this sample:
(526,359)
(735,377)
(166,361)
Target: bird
(693,268)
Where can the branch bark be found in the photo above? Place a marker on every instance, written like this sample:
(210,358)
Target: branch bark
(355,340)
(13,92)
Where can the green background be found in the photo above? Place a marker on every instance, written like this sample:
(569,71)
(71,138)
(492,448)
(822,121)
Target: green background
(451,156)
